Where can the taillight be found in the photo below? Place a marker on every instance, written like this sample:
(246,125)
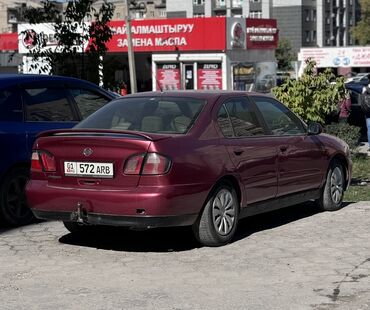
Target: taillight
(155,164)
(133,164)
(150,164)
(35,162)
(42,161)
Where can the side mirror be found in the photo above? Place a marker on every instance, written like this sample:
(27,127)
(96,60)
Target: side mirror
(314,129)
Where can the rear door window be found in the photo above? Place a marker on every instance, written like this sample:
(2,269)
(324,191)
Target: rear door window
(10,105)
(47,104)
(87,101)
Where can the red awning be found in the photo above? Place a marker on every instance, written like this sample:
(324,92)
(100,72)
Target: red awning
(8,42)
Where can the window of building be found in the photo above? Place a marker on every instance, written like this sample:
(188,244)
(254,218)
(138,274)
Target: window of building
(198,2)
(307,36)
(307,15)
(313,15)
(313,35)
(162,13)
(255,14)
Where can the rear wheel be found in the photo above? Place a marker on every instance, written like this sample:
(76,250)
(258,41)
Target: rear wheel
(13,202)
(333,191)
(217,223)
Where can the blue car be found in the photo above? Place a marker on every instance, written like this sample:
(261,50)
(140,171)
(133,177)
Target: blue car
(30,104)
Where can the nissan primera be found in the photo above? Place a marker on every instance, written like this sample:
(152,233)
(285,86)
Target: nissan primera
(200,159)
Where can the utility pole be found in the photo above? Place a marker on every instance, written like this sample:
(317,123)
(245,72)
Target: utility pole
(130,52)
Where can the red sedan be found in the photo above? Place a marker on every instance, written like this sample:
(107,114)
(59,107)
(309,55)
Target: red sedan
(204,159)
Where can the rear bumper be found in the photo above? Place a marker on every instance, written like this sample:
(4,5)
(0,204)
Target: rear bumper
(146,206)
(142,222)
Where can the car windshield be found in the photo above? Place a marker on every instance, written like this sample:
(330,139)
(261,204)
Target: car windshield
(147,114)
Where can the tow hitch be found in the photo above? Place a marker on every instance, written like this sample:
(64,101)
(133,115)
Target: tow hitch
(80,215)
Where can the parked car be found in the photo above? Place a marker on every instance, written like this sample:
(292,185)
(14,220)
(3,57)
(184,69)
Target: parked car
(30,104)
(357,116)
(361,78)
(205,159)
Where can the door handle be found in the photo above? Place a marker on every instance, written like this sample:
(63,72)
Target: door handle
(283,148)
(238,152)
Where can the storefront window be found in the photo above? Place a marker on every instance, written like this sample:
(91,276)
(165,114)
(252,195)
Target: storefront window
(244,76)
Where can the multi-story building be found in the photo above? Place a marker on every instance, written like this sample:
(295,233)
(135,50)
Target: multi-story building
(316,23)
(306,23)
(143,9)
(11,13)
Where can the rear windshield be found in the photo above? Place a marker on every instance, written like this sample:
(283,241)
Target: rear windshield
(153,115)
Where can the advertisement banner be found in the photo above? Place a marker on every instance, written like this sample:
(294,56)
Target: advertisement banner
(262,33)
(41,37)
(168,76)
(210,76)
(8,41)
(337,57)
(177,34)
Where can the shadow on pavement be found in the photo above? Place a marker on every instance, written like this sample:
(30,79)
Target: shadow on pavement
(181,238)
(174,239)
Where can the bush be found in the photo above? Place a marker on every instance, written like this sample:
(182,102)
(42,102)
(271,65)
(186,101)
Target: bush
(314,95)
(350,134)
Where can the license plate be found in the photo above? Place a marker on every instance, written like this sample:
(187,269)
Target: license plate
(88,169)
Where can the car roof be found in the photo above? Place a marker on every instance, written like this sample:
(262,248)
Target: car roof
(201,94)
(11,79)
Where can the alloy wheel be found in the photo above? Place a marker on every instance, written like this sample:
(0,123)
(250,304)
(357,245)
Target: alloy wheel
(223,212)
(336,185)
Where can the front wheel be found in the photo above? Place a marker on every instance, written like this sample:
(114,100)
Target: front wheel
(333,191)
(217,223)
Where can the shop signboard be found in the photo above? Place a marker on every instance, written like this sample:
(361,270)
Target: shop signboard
(168,76)
(177,34)
(209,76)
(337,57)
(8,42)
(262,33)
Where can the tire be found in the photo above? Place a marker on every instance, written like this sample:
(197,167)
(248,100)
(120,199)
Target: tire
(333,191)
(13,203)
(217,223)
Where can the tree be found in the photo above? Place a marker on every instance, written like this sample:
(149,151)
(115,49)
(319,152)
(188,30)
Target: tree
(361,32)
(72,35)
(284,55)
(313,96)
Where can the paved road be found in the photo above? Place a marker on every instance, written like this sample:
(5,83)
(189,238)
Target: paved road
(295,258)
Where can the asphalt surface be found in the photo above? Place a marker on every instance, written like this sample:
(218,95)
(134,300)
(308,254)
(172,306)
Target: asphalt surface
(296,258)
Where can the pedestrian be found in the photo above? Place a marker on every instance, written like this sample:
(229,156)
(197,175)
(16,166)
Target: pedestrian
(345,106)
(365,105)
(123,89)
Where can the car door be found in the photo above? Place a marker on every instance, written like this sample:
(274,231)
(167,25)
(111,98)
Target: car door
(253,157)
(12,135)
(46,106)
(300,156)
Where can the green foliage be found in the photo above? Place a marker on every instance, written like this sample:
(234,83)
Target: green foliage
(361,32)
(314,95)
(72,34)
(350,134)
(284,55)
